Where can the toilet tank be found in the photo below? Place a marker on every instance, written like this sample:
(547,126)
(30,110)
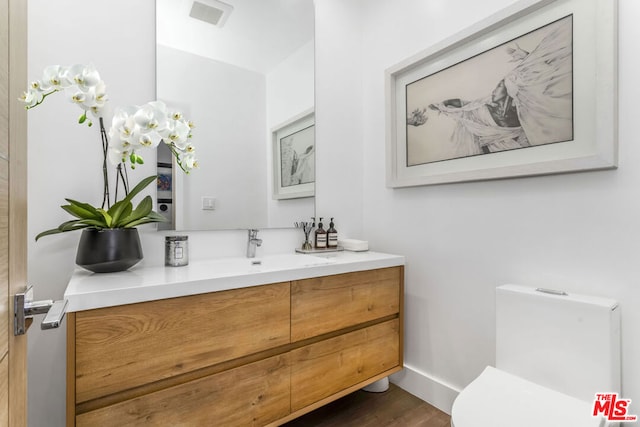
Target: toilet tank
(567,342)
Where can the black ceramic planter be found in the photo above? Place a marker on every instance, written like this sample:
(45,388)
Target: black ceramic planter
(109,250)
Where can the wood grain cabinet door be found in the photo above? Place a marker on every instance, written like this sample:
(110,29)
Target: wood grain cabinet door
(330,303)
(327,367)
(124,347)
(252,395)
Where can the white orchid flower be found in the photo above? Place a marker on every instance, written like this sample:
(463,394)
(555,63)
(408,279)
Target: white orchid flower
(146,139)
(178,133)
(85,77)
(90,100)
(55,78)
(189,162)
(137,127)
(132,128)
(81,83)
(32,97)
(120,146)
(78,97)
(101,99)
(122,125)
(117,155)
(150,118)
(36,85)
(175,115)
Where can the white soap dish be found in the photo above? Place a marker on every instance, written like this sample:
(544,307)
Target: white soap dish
(354,245)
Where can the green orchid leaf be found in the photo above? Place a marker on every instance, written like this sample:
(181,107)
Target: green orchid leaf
(143,209)
(152,217)
(107,218)
(141,186)
(81,210)
(95,223)
(48,233)
(64,227)
(69,225)
(120,210)
(127,211)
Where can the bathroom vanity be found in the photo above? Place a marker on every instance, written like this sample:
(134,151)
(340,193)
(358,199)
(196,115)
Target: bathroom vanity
(228,341)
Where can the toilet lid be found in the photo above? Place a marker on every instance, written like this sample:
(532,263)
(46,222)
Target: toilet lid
(499,399)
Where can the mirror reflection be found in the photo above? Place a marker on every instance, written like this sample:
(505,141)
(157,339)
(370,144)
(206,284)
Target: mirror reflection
(243,72)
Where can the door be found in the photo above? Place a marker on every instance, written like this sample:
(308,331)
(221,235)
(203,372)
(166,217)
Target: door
(13,208)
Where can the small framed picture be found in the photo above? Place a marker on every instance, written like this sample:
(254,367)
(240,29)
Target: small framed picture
(165,181)
(294,171)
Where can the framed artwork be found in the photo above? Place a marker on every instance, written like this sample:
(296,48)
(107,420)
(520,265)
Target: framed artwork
(294,172)
(530,90)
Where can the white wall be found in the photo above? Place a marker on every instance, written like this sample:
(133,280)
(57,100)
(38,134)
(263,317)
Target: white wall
(339,118)
(578,232)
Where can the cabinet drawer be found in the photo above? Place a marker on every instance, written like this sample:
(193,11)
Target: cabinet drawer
(330,303)
(251,395)
(122,347)
(330,366)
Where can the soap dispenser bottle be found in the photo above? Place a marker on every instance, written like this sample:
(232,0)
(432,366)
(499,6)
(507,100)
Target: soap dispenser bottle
(332,236)
(321,236)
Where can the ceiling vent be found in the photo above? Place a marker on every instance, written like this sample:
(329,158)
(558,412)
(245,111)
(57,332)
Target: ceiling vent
(212,11)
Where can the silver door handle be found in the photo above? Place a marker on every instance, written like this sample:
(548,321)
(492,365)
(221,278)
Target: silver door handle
(24,307)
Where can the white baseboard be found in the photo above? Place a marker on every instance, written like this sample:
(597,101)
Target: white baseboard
(431,390)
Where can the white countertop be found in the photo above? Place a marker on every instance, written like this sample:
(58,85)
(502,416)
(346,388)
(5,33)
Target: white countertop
(88,290)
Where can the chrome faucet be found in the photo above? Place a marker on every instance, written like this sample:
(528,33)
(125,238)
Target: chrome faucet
(252,243)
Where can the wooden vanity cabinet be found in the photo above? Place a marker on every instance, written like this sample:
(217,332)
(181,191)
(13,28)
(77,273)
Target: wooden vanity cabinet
(252,356)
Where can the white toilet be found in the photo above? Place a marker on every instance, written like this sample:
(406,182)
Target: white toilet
(554,352)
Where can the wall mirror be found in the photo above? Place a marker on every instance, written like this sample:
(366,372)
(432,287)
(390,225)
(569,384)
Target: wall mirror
(243,72)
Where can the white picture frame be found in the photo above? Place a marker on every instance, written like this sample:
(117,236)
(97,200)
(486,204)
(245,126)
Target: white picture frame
(294,157)
(594,91)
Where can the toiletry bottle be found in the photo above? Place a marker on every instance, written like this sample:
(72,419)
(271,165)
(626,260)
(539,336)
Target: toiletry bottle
(321,236)
(332,236)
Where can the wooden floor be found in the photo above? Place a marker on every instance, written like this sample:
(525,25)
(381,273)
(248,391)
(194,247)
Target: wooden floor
(395,407)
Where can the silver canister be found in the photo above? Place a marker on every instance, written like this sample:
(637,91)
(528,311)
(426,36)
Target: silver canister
(176,251)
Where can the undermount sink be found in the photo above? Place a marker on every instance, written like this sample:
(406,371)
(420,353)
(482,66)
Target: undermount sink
(266,263)
(287,261)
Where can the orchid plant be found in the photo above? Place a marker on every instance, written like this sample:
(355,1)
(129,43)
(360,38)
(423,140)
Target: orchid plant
(132,129)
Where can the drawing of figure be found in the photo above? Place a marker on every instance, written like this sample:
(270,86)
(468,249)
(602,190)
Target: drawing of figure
(302,170)
(531,105)
(484,126)
(541,86)
(297,157)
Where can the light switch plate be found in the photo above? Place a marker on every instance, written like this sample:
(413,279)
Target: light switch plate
(208,203)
